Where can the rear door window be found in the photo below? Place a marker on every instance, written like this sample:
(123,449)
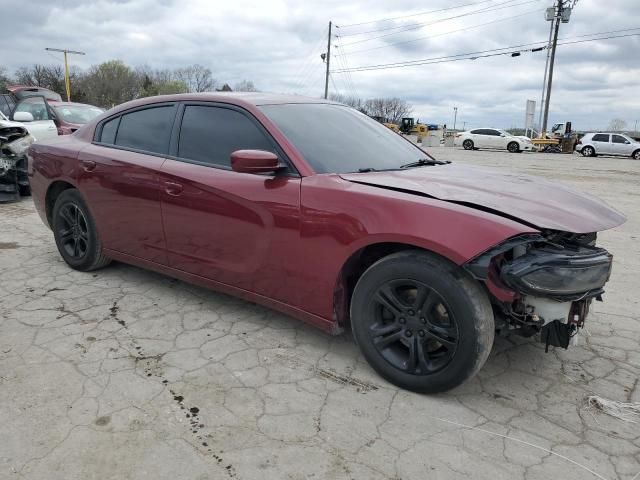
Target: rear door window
(210,134)
(601,137)
(148,130)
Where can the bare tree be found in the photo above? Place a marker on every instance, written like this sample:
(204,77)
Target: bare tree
(354,102)
(617,124)
(197,78)
(388,109)
(245,86)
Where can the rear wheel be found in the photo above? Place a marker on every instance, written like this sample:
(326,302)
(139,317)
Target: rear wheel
(513,147)
(588,151)
(421,322)
(75,233)
(467,144)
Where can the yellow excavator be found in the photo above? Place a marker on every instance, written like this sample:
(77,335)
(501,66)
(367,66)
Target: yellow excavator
(411,126)
(561,139)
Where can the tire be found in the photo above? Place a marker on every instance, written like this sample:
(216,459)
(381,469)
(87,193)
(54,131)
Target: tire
(452,330)
(636,155)
(513,147)
(75,233)
(468,144)
(588,151)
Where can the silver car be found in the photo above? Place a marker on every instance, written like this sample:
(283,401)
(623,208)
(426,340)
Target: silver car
(593,144)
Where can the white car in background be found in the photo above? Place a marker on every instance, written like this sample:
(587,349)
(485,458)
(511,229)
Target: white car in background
(38,129)
(492,138)
(593,144)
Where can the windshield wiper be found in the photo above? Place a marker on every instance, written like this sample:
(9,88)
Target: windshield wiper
(425,162)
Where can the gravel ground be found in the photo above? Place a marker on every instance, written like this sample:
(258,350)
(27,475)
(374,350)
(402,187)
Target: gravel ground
(127,374)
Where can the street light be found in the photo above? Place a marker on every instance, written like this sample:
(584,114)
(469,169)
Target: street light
(455,117)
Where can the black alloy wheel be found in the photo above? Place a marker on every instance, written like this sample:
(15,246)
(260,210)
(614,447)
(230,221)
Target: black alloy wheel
(73,231)
(513,147)
(467,144)
(412,328)
(421,321)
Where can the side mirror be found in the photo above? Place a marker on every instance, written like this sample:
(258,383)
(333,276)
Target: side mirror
(23,117)
(254,161)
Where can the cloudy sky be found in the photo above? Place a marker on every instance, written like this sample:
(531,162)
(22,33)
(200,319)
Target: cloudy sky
(277,44)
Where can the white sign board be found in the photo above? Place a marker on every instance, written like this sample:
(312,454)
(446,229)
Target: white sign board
(528,116)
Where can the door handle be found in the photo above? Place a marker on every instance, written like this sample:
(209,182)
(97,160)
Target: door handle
(88,165)
(173,188)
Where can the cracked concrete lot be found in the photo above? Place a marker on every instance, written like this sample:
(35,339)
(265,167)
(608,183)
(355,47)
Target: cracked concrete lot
(127,374)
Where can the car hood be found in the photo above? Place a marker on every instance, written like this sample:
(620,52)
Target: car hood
(530,200)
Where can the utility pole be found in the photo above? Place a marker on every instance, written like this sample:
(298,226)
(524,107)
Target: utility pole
(455,117)
(67,83)
(544,80)
(557,19)
(327,58)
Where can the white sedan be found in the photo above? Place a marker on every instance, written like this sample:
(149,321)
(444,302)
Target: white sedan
(492,138)
(39,129)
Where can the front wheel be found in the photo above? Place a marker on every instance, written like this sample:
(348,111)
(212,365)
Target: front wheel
(636,155)
(588,151)
(513,147)
(421,322)
(467,144)
(75,233)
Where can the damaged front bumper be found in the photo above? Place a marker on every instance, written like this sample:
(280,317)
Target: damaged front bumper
(544,284)
(14,142)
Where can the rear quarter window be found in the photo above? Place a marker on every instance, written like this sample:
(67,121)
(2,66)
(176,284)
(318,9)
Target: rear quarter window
(148,130)
(109,129)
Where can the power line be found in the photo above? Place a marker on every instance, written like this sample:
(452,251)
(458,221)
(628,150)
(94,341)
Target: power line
(342,59)
(307,68)
(418,24)
(411,15)
(415,26)
(513,50)
(471,27)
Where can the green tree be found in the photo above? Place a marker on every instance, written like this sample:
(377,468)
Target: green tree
(111,83)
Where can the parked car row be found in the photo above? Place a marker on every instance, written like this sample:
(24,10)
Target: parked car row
(43,112)
(590,145)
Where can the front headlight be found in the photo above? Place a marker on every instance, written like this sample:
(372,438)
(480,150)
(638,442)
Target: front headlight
(559,272)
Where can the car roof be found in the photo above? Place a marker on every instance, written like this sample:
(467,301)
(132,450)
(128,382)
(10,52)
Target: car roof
(606,133)
(253,98)
(245,99)
(55,103)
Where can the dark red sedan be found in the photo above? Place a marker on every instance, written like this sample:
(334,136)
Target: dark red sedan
(318,211)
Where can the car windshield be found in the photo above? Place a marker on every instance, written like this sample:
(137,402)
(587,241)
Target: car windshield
(79,114)
(338,139)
